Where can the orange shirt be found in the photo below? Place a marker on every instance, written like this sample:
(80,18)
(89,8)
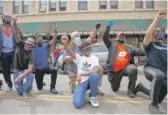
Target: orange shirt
(122,59)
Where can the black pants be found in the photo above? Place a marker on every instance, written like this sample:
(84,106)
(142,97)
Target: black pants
(7,62)
(158,85)
(39,75)
(115,79)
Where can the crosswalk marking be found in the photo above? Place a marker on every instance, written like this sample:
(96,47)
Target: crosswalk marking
(68,98)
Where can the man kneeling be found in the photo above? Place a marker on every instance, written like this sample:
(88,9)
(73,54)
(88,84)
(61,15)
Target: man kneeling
(87,77)
(23,64)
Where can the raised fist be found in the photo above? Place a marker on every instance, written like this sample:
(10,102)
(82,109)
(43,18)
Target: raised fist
(98,25)
(56,29)
(161,14)
(14,18)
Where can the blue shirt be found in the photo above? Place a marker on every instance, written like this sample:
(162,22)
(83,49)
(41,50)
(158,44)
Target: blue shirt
(157,56)
(41,60)
(7,44)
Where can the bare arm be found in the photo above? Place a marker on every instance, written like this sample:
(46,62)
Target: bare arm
(92,36)
(150,31)
(16,30)
(68,59)
(86,73)
(65,42)
(27,71)
(54,39)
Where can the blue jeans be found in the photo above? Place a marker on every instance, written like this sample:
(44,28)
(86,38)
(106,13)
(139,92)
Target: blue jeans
(80,90)
(25,85)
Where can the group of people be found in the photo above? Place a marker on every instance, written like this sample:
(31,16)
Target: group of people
(84,70)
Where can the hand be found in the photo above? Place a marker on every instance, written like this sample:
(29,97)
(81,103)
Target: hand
(161,14)
(18,79)
(14,18)
(98,25)
(56,29)
(110,23)
(78,79)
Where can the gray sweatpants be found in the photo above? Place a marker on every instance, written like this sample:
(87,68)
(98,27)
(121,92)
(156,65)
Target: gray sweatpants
(115,79)
(158,85)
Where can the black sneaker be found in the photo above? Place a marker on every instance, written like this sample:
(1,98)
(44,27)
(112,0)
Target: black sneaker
(141,88)
(1,84)
(130,94)
(156,110)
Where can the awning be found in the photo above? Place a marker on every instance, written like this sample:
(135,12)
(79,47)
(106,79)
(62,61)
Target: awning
(129,26)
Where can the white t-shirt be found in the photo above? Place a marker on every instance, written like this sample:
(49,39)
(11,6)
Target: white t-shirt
(86,64)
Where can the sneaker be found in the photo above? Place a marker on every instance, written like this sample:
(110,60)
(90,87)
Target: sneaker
(156,110)
(141,88)
(94,102)
(130,94)
(9,89)
(1,84)
(27,95)
(54,91)
(98,92)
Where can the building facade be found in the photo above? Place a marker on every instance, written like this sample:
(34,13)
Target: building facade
(131,16)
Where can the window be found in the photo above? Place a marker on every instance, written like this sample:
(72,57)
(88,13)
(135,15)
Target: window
(113,4)
(25,6)
(103,4)
(43,5)
(16,7)
(138,4)
(1,7)
(149,4)
(52,5)
(62,5)
(82,5)
(144,4)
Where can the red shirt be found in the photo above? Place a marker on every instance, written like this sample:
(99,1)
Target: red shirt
(122,59)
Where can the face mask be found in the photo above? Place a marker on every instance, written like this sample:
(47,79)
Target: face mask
(7,19)
(121,41)
(160,35)
(77,41)
(28,46)
(87,51)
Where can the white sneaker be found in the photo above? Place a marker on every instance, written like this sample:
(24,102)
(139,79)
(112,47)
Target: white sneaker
(9,89)
(94,102)
(27,95)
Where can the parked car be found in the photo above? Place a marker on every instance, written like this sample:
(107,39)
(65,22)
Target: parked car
(98,49)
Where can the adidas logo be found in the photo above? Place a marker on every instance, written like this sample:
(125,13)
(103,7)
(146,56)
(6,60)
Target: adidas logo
(86,65)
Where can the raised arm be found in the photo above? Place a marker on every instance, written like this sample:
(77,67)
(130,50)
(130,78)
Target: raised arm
(69,50)
(54,39)
(93,34)
(106,38)
(150,31)
(16,30)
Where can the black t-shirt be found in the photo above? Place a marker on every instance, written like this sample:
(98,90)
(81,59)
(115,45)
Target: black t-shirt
(22,58)
(157,56)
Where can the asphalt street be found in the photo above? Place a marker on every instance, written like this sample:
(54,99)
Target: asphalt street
(47,103)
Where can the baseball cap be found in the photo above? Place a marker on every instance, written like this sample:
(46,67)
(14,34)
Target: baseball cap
(121,34)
